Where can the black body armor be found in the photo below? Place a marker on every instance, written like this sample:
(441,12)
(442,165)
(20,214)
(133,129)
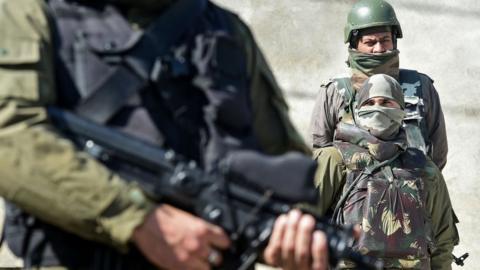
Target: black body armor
(181,83)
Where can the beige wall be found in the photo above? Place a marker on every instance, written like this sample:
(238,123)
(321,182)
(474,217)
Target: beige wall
(303,40)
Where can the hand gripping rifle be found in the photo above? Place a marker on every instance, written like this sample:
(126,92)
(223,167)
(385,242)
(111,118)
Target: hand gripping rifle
(244,198)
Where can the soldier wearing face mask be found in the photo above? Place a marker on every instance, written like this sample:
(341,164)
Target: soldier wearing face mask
(398,196)
(150,69)
(371,33)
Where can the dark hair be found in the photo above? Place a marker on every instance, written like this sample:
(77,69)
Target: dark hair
(358,33)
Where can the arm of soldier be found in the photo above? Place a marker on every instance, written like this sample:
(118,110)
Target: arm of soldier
(442,217)
(272,126)
(44,174)
(40,170)
(435,124)
(329,178)
(325,116)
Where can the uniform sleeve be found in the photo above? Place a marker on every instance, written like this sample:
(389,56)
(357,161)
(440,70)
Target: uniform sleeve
(325,116)
(329,177)
(272,125)
(435,124)
(442,216)
(40,170)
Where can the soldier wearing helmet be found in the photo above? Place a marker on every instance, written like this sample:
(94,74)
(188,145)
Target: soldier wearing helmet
(371,33)
(371,177)
(148,66)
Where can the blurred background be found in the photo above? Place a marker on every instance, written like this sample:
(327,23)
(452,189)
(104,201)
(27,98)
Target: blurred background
(303,41)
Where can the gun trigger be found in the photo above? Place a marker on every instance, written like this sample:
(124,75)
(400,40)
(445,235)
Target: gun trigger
(248,261)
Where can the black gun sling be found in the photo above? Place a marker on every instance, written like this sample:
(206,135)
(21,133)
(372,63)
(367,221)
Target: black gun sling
(134,73)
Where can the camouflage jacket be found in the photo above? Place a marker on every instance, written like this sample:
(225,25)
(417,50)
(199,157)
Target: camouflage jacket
(329,104)
(338,167)
(387,199)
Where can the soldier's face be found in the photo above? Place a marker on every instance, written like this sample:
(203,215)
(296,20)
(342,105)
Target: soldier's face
(381,117)
(381,101)
(375,43)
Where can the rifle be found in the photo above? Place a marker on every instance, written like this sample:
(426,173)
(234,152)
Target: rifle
(244,197)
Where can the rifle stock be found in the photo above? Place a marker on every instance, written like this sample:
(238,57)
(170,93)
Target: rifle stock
(243,201)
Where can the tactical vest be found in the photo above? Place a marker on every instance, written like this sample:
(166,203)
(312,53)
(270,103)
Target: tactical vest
(387,199)
(179,83)
(414,122)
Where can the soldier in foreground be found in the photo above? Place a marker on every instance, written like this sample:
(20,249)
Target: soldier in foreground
(149,69)
(397,194)
(371,33)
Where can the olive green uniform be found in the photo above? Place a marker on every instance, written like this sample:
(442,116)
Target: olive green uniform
(44,174)
(329,103)
(331,176)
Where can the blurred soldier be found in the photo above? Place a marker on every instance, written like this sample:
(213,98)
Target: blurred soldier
(397,194)
(371,32)
(91,57)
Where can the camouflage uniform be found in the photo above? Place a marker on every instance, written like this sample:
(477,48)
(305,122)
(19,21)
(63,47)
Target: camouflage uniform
(425,112)
(46,175)
(329,103)
(397,194)
(330,180)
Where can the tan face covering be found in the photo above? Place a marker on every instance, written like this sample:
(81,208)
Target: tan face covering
(380,121)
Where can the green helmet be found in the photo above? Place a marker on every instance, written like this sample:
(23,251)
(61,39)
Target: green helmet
(371,13)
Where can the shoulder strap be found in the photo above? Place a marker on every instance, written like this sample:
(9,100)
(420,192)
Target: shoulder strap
(348,94)
(415,125)
(411,83)
(142,59)
(369,170)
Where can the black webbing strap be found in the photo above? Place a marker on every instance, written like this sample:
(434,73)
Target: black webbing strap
(369,170)
(412,78)
(133,74)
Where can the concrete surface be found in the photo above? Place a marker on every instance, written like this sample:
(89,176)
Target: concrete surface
(303,41)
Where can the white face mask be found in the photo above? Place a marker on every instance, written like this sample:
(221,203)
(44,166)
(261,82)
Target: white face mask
(382,122)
